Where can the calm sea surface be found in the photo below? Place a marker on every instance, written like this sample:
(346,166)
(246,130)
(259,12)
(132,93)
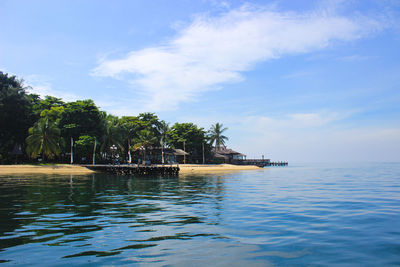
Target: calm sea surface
(297,215)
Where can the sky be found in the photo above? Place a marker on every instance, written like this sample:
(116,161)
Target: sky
(297,81)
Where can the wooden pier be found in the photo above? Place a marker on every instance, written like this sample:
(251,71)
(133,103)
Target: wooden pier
(141,170)
(279,163)
(260,162)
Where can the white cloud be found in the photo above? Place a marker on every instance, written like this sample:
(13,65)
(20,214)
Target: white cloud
(298,74)
(297,120)
(313,119)
(318,136)
(42,87)
(212,51)
(353,58)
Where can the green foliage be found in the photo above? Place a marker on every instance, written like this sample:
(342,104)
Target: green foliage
(112,134)
(84,145)
(50,101)
(36,106)
(165,132)
(145,140)
(193,137)
(81,117)
(149,118)
(53,114)
(39,105)
(55,121)
(150,122)
(130,126)
(15,115)
(43,139)
(216,135)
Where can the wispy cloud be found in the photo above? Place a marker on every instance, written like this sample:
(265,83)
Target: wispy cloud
(298,74)
(353,58)
(296,121)
(321,135)
(317,136)
(212,51)
(39,85)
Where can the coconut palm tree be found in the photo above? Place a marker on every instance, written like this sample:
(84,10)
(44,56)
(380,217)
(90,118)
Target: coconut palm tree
(164,131)
(129,129)
(145,140)
(44,139)
(216,135)
(111,135)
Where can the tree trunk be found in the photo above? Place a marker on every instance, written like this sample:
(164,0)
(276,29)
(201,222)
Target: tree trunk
(184,155)
(162,155)
(72,152)
(129,152)
(203,153)
(94,152)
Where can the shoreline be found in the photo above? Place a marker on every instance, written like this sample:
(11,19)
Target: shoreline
(77,169)
(44,169)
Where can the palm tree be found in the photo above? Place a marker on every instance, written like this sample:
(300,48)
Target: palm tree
(145,140)
(164,131)
(129,131)
(44,139)
(111,135)
(216,135)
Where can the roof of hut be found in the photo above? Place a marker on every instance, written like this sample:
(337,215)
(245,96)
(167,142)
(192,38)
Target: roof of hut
(221,156)
(176,152)
(180,152)
(225,151)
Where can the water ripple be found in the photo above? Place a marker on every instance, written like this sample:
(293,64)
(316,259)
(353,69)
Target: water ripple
(300,215)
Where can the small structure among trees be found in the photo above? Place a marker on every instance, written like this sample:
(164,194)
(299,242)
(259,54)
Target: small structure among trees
(228,155)
(52,130)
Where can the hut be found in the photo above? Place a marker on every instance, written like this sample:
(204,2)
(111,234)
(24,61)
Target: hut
(228,155)
(171,155)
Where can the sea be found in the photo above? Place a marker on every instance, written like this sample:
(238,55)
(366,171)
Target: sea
(345,214)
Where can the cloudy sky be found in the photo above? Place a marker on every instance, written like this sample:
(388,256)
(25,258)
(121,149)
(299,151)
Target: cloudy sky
(292,80)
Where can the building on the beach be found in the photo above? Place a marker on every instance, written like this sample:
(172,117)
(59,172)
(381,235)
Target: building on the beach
(179,154)
(228,155)
(154,155)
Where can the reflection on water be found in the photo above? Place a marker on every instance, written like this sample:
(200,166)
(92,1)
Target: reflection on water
(286,216)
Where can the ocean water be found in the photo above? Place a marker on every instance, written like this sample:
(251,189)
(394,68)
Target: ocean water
(314,215)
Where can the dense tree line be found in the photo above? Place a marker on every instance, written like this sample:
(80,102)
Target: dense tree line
(32,129)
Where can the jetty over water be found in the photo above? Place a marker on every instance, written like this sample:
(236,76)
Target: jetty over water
(133,169)
(279,163)
(261,162)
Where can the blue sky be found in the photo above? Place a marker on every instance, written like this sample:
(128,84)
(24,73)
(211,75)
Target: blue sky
(292,80)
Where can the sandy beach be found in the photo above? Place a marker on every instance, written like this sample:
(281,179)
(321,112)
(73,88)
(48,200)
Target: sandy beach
(44,169)
(76,169)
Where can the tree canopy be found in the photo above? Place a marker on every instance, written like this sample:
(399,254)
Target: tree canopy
(190,136)
(16,115)
(81,117)
(44,139)
(45,127)
(216,135)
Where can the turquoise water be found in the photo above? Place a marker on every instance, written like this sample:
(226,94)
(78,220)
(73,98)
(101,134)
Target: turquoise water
(297,215)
